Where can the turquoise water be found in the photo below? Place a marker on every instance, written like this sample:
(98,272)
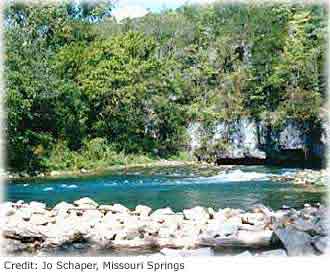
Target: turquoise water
(179,188)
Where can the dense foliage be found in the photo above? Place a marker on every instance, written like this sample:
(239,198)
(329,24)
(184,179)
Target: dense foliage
(83,89)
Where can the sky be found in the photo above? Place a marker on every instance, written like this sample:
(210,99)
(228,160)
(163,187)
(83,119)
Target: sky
(138,8)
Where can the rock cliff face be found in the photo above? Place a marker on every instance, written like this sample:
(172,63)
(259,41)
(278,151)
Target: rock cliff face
(247,141)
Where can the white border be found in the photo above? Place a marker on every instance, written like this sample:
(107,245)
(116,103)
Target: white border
(199,266)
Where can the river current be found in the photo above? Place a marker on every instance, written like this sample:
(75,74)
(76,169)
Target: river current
(176,187)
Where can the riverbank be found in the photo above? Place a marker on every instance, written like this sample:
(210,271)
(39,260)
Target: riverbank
(101,170)
(32,228)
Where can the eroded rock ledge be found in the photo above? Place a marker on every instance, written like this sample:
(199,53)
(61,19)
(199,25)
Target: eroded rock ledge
(197,231)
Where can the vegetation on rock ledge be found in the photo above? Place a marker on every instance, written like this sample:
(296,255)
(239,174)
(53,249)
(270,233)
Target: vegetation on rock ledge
(83,88)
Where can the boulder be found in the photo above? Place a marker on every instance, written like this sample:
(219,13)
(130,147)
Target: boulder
(167,231)
(112,219)
(118,208)
(321,244)
(253,218)
(37,205)
(152,228)
(197,214)
(85,202)
(11,246)
(162,212)
(242,239)
(39,219)
(7,209)
(17,228)
(62,208)
(221,229)
(101,235)
(25,213)
(211,212)
(91,217)
(296,243)
(143,210)
(307,226)
(105,208)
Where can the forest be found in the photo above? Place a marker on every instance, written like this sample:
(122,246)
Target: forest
(86,91)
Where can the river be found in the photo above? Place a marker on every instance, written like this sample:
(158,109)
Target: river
(176,187)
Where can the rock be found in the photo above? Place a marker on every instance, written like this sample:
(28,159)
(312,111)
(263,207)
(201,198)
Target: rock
(66,229)
(112,219)
(296,243)
(143,210)
(229,212)
(39,219)
(105,208)
(152,228)
(135,243)
(306,226)
(253,218)
(200,252)
(63,207)
(273,253)
(321,244)
(245,254)
(220,228)
(10,246)
(102,235)
(55,173)
(253,228)
(37,205)
(129,232)
(7,209)
(83,171)
(257,239)
(25,213)
(162,212)
(196,214)
(219,217)
(211,212)
(91,217)
(37,208)
(17,228)
(118,208)
(85,202)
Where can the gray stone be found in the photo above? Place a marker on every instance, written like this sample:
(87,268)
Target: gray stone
(296,243)
(321,244)
(307,226)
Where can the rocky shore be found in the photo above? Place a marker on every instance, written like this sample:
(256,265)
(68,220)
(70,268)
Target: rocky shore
(96,171)
(34,228)
(306,177)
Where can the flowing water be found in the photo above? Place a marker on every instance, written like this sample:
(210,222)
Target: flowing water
(176,187)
